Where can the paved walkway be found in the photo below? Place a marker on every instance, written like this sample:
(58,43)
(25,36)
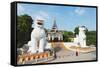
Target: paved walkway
(64,55)
(71,56)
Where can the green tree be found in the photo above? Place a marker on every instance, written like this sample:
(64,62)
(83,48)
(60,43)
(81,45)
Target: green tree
(67,35)
(91,38)
(76,30)
(24,28)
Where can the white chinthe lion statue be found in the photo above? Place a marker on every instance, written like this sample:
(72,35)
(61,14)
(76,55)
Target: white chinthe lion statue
(38,37)
(82,36)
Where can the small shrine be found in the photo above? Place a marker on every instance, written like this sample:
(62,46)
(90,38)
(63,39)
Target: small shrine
(54,34)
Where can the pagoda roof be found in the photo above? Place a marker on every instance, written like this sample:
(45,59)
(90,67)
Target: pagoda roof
(54,25)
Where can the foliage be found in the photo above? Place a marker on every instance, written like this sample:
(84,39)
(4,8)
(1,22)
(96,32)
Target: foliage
(91,38)
(67,35)
(24,23)
(76,30)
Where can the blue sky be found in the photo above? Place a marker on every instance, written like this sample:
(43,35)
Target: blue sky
(67,17)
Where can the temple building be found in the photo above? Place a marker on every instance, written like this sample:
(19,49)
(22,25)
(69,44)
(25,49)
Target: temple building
(54,34)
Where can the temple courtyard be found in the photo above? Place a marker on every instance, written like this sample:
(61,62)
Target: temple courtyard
(64,54)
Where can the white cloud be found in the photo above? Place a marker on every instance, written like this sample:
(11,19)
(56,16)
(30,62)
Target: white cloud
(44,14)
(20,9)
(80,11)
(41,14)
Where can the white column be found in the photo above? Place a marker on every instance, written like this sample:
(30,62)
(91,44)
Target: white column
(48,37)
(52,37)
(59,37)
